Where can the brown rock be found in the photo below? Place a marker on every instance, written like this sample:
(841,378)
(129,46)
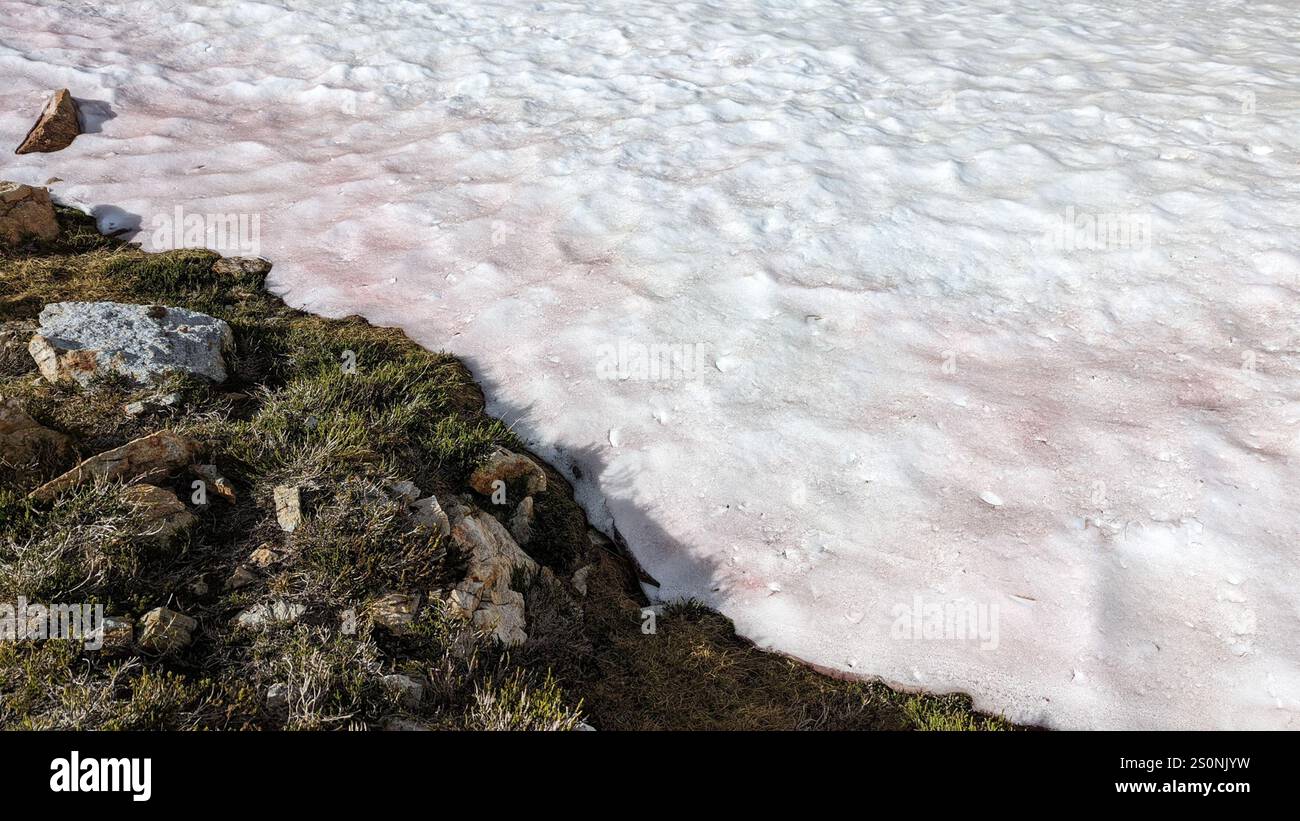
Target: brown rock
(164,516)
(216,483)
(507,466)
(25,213)
(58,125)
(166,631)
(119,633)
(263,557)
(147,459)
(242,577)
(395,611)
(25,444)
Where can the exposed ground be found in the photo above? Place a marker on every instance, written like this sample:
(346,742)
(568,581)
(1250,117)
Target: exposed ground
(291,415)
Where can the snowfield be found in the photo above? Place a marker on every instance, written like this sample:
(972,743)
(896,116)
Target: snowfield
(954,343)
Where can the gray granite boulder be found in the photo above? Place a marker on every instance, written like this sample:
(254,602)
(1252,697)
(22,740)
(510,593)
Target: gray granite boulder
(84,340)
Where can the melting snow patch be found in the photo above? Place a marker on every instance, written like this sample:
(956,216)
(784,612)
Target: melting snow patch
(1065,257)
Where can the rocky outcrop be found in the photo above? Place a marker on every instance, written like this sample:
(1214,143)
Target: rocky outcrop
(56,128)
(25,213)
(25,444)
(84,340)
(508,467)
(485,596)
(166,631)
(147,459)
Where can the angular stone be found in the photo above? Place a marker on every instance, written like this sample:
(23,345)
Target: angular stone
(463,599)
(119,633)
(25,443)
(262,614)
(395,611)
(485,596)
(277,698)
(428,513)
(217,484)
(147,459)
(163,515)
(288,507)
(503,617)
(166,631)
(521,522)
(56,128)
(580,579)
(263,557)
(507,466)
(404,492)
(242,577)
(409,691)
(25,213)
(85,340)
(493,554)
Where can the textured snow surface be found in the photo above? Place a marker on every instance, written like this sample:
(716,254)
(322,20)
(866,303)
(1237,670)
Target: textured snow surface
(900,392)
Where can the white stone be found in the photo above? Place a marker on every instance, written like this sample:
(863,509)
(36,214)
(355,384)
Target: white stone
(429,513)
(261,615)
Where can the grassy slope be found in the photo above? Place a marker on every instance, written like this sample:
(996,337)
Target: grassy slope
(291,414)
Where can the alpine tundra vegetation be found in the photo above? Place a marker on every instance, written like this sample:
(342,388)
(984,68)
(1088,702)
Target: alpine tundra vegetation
(321,528)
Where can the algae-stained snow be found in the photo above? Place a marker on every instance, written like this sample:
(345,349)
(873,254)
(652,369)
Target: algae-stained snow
(954,343)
